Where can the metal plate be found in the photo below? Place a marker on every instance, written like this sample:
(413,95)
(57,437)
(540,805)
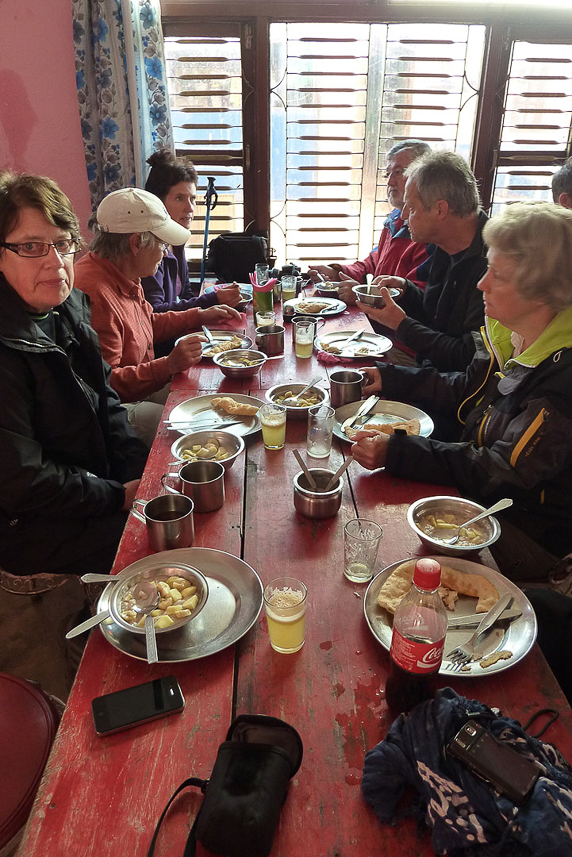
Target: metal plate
(334,306)
(375,343)
(384,412)
(225,336)
(232,608)
(518,636)
(200,410)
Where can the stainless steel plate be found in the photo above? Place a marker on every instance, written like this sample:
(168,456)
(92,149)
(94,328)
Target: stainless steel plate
(200,410)
(384,412)
(225,336)
(375,343)
(518,636)
(232,608)
(334,306)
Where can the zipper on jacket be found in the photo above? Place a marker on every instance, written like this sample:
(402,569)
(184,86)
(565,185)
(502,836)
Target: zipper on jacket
(486,378)
(482,427)
(528,435)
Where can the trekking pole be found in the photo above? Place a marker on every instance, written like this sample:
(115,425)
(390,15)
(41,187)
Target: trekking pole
(211,199)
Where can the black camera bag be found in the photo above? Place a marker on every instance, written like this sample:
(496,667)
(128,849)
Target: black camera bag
(234,255)
(246,790)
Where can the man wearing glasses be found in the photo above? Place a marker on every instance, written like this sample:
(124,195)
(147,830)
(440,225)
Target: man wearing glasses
(135,230)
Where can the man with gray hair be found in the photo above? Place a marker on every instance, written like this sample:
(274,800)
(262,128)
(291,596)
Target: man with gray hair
(562,185)
(396,254)
(441,206)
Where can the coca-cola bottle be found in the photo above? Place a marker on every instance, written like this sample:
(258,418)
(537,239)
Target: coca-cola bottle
(419,628)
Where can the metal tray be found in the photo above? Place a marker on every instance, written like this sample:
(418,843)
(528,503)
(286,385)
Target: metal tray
(232,608)
(518,636)
(334,306)
(200,410)
(375,343)
(225,336)
(384,412)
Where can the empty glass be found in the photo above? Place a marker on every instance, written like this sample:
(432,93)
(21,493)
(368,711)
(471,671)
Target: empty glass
(320,430)
(361,544)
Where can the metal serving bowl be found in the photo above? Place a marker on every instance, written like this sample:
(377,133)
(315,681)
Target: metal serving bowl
(463,510)
(226,439)
(317,504)
(372,296)
(292,412)
(221,360)
(161,572)
(328,289)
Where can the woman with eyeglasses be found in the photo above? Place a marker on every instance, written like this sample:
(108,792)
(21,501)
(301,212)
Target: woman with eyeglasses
(174,181)
(69,462)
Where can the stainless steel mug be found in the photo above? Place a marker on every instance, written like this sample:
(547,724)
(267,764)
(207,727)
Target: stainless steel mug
(203,481)
(169,521)
(345,387)
(270,339)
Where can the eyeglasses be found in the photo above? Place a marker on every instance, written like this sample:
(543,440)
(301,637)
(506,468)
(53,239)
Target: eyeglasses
(159,243)
(35,249)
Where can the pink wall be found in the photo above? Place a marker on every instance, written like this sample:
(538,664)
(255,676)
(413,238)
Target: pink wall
(39,120)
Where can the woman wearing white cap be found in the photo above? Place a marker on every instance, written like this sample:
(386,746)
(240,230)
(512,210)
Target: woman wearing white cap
(135,230)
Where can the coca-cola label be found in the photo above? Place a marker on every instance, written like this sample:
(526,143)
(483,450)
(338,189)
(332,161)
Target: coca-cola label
(416,656)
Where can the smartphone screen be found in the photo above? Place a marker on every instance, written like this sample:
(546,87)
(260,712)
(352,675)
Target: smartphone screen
(134,705)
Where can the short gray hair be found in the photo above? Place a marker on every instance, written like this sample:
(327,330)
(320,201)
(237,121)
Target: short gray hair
(115,245)
(412,144)
(538,237)
(445,175)
(562,181)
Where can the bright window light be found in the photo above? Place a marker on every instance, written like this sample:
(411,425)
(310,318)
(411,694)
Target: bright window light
(554,4)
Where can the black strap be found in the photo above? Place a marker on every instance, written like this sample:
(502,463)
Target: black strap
(191,841)
(555,714)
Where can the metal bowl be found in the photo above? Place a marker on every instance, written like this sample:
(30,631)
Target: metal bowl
(328,290)
(292,412)
(372,296)
(231,442)
(463,510)
(222,359)
(317,504)
(161,572)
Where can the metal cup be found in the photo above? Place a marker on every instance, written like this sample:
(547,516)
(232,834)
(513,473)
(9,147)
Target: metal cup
(203,481)
(169,521)
(270,339)
(345,387)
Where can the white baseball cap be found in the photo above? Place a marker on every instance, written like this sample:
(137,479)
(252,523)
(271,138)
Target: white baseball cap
(134,210)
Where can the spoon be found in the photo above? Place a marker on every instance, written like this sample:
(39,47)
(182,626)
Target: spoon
(304,467)
(99,578)
(502,504)
(89,623)
(339,472)
(208,335)
(146,597)
(295,398)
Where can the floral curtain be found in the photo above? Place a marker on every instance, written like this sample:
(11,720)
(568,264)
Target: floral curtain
(121,86)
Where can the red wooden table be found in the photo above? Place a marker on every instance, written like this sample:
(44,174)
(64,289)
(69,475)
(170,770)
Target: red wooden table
(103,796)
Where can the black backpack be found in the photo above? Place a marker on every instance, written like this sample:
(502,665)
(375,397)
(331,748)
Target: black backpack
(234,255)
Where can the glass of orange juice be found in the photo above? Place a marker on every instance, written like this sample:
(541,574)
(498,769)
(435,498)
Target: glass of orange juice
(285,602)
(273,422)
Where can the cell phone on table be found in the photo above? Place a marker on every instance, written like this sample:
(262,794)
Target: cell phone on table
(498,764)
(114,712)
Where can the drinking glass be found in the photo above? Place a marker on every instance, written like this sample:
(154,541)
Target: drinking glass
(264,319)
(285,601)
(304,338)
(361,544)
(273,421)
(320,430)
(289,288)
(262,273)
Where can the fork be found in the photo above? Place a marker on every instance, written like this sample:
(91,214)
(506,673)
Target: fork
(461,655)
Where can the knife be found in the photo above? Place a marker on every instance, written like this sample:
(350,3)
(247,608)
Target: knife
(182,426)
(474,619)
(491,617)
(361,411)
(355,336)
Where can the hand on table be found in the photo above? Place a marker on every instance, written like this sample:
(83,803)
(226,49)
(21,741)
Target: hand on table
(186,352)
(370,449)
(391,315)
(215,314)
(131,489)
(327,272)
(373,384)
(230,295)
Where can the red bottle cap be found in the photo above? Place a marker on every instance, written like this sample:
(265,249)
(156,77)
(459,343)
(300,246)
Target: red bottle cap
(427,574)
